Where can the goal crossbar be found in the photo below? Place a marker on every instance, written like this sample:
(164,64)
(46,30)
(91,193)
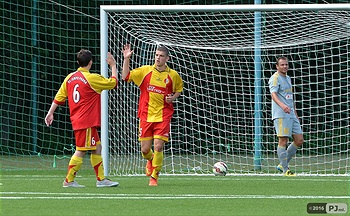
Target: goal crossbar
(223,8)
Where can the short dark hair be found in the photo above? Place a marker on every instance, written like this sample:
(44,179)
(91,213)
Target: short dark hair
(84,57)
(163,49)
(281,58)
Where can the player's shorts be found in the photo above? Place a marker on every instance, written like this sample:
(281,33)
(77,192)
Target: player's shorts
(87,139)
(286,127)
(154,130)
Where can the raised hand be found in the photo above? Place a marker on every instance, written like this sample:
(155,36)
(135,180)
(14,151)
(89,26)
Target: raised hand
(127,52)
(110,59)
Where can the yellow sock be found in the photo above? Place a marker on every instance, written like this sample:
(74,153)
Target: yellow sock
(157,163)
(97,164)
(73,167)
(148,156)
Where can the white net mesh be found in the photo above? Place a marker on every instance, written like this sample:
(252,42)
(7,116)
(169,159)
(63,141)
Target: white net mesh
(214,117)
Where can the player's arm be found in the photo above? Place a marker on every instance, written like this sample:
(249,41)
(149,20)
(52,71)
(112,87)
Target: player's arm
(112,64)
(99,82)
(171,97)
(178,88)
(295,108)
(176,95)
(127,52)
(284,107)
(60,99)
(295,111)
(49,116)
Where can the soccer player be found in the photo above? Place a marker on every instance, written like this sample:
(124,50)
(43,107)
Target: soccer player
(159,86)
(83,90)
(284,115)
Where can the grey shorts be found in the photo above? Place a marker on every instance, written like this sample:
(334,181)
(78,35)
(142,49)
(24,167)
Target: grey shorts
(286,127)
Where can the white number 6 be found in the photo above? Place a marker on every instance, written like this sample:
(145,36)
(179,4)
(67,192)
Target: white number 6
(76,94)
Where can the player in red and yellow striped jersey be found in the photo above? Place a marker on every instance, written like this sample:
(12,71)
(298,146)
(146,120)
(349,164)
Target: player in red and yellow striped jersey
(83,91)
(159,86)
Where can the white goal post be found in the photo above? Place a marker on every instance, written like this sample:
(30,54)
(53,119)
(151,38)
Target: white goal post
(225,55)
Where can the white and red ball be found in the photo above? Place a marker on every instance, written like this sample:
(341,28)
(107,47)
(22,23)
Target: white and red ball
(220,169)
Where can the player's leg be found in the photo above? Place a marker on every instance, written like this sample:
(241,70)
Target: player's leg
(298,140)
(74,166)
(291,150)
(146,146)
(96,160)
(157,162)
(146,140)
(76,160)
(282,153)
(161,135)
(283,131)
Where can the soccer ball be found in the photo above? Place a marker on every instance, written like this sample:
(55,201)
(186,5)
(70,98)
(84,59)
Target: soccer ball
(220,169)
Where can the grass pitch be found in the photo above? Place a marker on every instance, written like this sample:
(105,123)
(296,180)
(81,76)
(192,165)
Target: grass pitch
(41,193)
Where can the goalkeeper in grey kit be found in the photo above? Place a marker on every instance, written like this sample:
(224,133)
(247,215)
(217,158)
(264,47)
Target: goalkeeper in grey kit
(285,118)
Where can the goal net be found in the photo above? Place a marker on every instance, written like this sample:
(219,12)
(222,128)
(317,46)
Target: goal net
(225,56)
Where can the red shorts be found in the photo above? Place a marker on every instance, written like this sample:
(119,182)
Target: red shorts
(154,130)
(87,139)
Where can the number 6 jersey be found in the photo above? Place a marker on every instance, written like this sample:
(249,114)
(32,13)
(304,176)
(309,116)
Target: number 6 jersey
(83,90)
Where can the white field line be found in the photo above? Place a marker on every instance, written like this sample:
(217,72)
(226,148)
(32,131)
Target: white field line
(69,196)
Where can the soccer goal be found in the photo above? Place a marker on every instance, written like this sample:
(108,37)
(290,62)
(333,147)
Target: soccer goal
(225,55)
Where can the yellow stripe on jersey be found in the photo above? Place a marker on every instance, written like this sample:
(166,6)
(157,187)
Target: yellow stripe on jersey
(275,78)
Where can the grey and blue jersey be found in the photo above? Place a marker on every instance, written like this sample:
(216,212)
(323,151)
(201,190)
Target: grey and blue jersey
(282,85)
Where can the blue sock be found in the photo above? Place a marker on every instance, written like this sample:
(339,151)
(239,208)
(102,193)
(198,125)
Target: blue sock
(291,150)
(282,156)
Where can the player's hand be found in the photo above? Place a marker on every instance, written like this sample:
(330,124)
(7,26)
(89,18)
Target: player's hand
(286,109)
(127,52)
(49,119)
(110,59)
(169,98)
